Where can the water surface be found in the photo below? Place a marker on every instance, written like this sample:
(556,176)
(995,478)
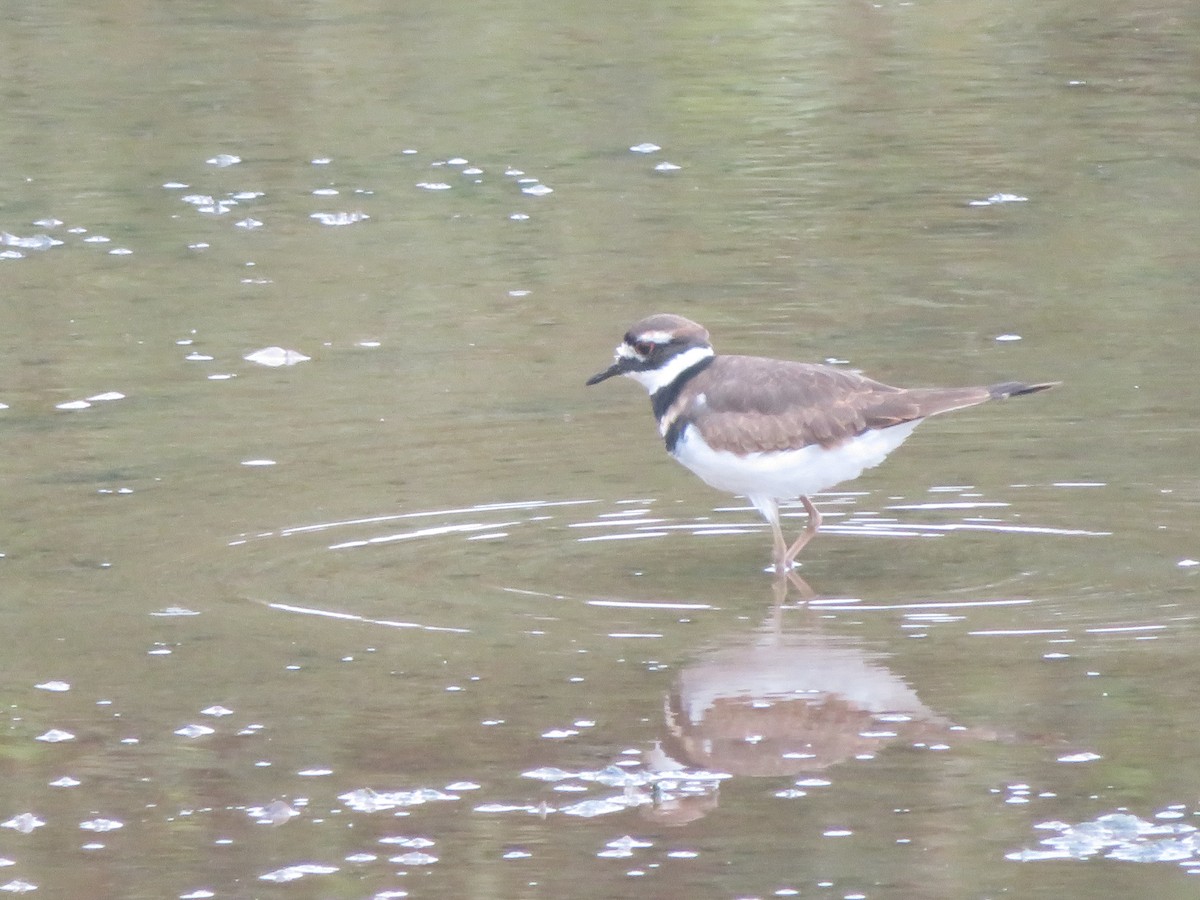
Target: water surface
(419,615)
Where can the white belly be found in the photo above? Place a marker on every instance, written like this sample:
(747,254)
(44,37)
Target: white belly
(791,473)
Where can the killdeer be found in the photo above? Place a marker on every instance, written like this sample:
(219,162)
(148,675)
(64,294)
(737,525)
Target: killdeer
(770,429)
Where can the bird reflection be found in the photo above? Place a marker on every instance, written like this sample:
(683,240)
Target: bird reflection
(784,702)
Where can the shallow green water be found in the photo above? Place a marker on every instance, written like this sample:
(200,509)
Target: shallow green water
(470,624)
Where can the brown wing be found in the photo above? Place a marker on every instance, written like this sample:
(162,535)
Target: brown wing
(764,404)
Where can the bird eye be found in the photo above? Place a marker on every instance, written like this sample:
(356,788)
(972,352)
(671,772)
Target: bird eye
(644,348)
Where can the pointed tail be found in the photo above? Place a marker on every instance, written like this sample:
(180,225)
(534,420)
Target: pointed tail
(1007,389)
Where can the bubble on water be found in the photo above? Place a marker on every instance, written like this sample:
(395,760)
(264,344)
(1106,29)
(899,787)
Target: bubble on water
(667,167)
(412,843)
(997,199)
(339,218)
(97,239)
(414,859)
(248,224)
(175,185)
(292,873)
(58,686)
(368,800)
(48,222)
(629,842)
(33,242)
(259,462)
(101,825)
(433,185)
(1086,756)
(222,160)
(615,853)
(276,356)
(194,731)
(169,611)
(790,793)
(25,823)
(277,812)
(645,147)
(322,161)
(107,395)
(18,886)
(56,736)
(120,251)
(66,781)
(504,808)
(590,809)
(537,190)
(548,773)
(519,217)
(1120,836)
(216,711)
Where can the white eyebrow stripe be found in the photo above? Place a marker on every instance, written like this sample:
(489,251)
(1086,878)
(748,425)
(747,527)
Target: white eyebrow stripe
(657,337)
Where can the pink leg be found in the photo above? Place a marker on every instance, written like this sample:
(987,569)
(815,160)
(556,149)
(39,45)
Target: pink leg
(781,549)
(768,507)
(809,532)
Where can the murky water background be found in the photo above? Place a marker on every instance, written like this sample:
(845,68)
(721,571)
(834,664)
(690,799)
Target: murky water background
(421,616)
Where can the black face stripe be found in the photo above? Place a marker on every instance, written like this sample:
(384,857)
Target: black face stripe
(674,432)
(662,399)
(651,358)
